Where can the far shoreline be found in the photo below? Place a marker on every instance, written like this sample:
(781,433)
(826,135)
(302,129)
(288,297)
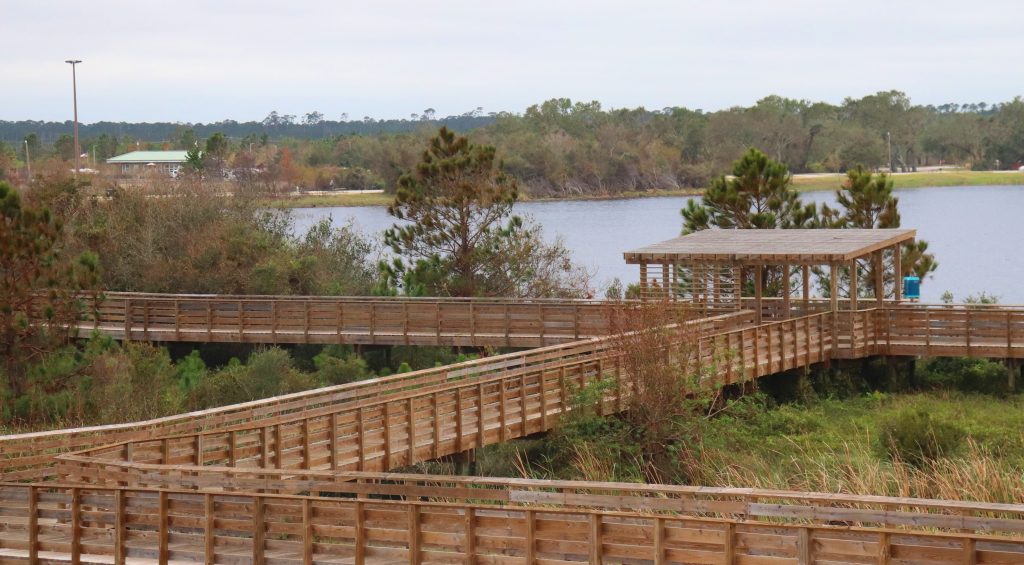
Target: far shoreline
(804,183)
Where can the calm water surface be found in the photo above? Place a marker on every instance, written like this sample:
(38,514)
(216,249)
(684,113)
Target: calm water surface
(975,232)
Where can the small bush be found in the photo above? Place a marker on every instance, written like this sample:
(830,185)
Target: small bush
(916,438)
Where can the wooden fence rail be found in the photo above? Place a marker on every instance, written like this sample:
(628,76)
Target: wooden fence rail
(103,525)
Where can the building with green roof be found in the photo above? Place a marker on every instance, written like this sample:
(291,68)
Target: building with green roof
(140,162)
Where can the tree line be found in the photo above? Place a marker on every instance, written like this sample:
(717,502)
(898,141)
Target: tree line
(565,148)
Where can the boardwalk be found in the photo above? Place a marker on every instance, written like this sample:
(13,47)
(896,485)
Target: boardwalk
(308,478)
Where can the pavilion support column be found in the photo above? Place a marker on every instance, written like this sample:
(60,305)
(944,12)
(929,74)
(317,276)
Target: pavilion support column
(897,272)
(675,281)
(718,286)
(786,271)
(758,274)
(833,293)
(738,277)
(853,284)
(806,272)
(665,281)
(643,280)
(879,279)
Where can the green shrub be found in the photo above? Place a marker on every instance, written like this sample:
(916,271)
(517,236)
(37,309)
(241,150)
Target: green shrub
(915,437)
(965,374)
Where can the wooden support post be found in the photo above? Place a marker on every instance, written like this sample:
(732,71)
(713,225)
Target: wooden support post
(659,541)
(307,457)
(786,290)
(469,531)
(524,428)
(162,528)
(664,280)
(127,319)
(883,548)
(209,537)
(436,420)
(387,436)
(970,551)
(879,279)
(411,430)
(531,541)
(897,274)
(361,432)
(278,447)
(414,534)
(542,382)
(758,275)
(232,448)
(853,285)
(729,546)
(332,439)
(834,302)
(458,420)
(643,280)
(76,526)
(258,531)
(307,531)
(805,272)
(595,539)
(177,320)
(1011,374)
(120,531)
(198,447)
(360,533)
(502,412)
(33,525)
(480,412)
(803,547)
(717,301)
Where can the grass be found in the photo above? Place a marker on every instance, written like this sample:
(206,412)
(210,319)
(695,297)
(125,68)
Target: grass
(836,446)
(918,180)
(331,200)
(824,446)
(801,182)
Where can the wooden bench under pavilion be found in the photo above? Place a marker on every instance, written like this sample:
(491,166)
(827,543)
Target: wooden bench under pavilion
(710,268)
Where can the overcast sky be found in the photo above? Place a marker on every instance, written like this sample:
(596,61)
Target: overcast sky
(200,61)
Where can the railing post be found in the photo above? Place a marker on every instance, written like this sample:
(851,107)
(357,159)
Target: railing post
(258,531)
(883,548)
(33,525)
(411,412)
(360,533)
(76,526)
(209,537)
(163,528)
(414,534)
(804,547)
(729,545)
(659,541)
(177,320)
(469,531)
(127,319)
(241,322)
(307,531)
(120,532)
(531,542)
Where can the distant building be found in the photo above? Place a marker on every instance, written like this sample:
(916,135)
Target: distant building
(140,162)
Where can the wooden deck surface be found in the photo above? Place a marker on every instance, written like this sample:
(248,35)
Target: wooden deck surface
(240,484)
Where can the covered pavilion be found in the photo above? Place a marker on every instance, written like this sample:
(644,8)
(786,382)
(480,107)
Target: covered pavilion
(710,267)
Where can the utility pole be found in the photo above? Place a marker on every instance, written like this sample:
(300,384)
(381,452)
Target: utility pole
(74,94)
(28,164)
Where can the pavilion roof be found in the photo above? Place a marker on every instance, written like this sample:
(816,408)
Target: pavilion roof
(770,246)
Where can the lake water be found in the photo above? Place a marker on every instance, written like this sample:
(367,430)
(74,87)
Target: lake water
(975,232)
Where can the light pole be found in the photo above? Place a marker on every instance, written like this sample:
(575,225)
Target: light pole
(74,93)
(888,143)
(28,164)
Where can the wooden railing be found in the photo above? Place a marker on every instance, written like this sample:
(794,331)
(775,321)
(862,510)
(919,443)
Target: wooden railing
(81,523)
(341,440)
(349,320)
(29,456)
(521,395)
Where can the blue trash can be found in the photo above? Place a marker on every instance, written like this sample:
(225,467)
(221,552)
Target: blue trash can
(912,288)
